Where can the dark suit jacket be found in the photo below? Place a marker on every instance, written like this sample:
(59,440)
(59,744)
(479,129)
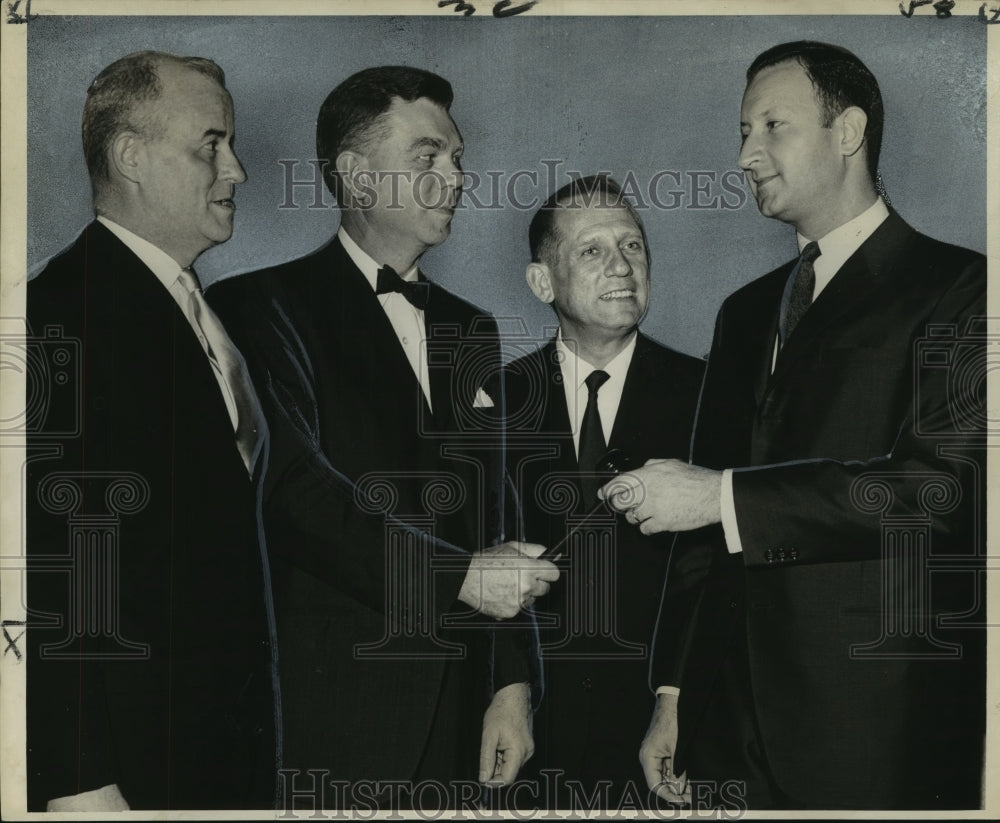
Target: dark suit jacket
(345,408)
(597,697)
(869,430)
(180,710)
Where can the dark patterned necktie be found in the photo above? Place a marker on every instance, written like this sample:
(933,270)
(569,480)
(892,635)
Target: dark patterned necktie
(802,290)
(416,293)
(592,445)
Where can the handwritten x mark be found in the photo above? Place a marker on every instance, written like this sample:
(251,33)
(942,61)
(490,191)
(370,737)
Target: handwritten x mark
(12,641)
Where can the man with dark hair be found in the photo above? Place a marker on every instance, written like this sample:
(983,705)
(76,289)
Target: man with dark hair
(375,375)
(839,80)
(599,384)
(818,643)
(150,682)
(351,115)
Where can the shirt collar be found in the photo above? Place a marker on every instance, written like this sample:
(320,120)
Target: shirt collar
(838,245)
(575,367)
(157,261)
(369,267)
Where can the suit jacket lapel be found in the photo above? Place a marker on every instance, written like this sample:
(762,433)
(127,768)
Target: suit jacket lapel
(143,308)
(850,287)
(149,324)
(761,338)
(556,417)
(371,340)
(631,408)
(443,341)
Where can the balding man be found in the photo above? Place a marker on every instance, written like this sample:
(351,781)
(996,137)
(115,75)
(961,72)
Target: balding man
(154,688)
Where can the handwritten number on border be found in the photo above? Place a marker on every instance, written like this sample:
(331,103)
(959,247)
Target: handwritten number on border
(500,9)
(13,16)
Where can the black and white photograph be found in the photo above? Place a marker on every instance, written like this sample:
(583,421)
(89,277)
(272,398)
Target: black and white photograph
(515,410)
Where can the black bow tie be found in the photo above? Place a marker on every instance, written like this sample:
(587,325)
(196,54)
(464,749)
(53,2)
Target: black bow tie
(417,293)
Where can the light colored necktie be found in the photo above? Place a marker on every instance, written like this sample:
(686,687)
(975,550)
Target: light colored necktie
(241,400)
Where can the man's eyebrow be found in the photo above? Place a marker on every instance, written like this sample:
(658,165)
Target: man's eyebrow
(768,112)
(432,143)
(216,133)
(427,143)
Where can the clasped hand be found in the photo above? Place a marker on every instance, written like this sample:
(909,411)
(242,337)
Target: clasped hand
(504,579)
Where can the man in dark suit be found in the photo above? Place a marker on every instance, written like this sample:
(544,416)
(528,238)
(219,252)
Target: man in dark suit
(374,375)
(820,619)
(150,680)
(598,384)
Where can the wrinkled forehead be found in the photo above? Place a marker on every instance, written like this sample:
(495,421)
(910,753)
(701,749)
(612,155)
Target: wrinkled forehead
(582,215)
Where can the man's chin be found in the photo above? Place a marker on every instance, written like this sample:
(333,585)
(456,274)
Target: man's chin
(219,235)
(435,238)
(769,206)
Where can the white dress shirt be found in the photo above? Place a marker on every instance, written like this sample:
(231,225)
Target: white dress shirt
(835,249)
(575,371)
(406,319)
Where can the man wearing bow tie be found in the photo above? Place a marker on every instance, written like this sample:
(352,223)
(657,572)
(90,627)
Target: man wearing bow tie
(378,375)
(150,676)
(818,644)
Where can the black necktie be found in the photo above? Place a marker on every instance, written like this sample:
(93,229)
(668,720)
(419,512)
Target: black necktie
(802,290)
(592,445)
(416,293)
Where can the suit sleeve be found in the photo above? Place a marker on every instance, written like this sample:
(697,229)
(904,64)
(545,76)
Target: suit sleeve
(315,517)
(822,510)
(516,649)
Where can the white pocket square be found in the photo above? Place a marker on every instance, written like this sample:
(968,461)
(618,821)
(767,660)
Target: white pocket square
(482,401)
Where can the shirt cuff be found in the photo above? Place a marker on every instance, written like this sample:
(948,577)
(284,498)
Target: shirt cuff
(674,690)
(729,524)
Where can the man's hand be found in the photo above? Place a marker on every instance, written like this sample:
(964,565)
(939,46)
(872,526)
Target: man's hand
(507,741)
(667,496)
(106,799)
(656,754)
(504,579)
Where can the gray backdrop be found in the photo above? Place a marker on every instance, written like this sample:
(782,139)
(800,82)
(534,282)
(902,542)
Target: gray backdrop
(634,96)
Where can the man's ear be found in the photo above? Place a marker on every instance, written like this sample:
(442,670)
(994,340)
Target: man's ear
(356,179)
(126,154)
(852,122)
(540,281)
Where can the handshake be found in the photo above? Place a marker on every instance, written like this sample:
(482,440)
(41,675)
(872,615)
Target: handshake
(504,579)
